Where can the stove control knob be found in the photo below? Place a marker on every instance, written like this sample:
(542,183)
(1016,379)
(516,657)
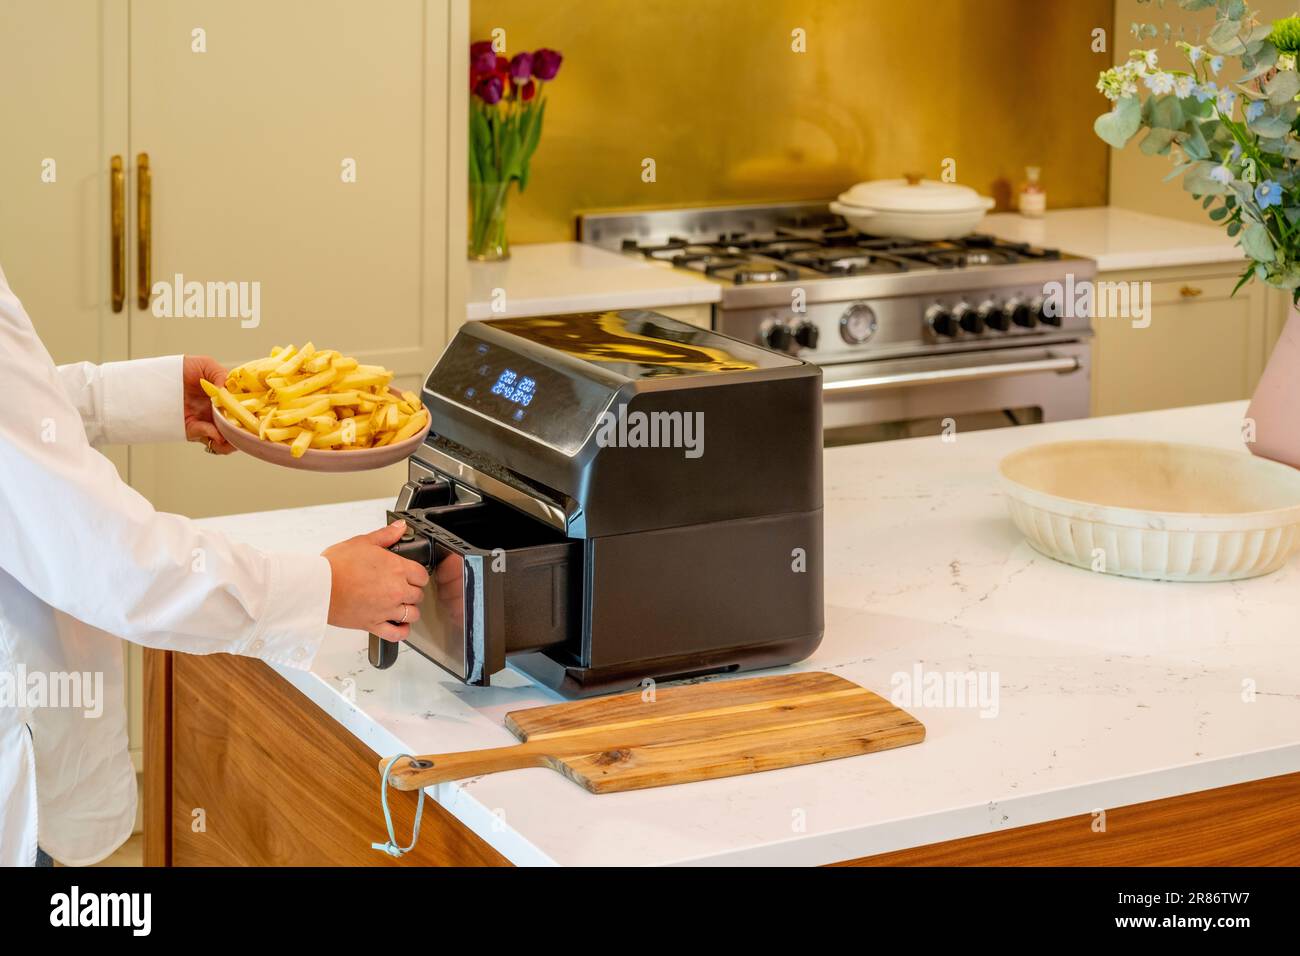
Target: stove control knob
(807,335)
(1040,313)
(858,323)
(969,319)
(778,336)
(941,321)
(1000,319)
(988,308)
(1021,314)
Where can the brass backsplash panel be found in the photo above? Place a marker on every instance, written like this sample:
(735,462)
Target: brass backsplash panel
(711,90)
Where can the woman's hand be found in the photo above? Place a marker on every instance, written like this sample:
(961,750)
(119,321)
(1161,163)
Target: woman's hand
(198,407)
(372,589)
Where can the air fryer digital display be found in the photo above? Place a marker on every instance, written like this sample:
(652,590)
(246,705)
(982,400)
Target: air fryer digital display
(553,406)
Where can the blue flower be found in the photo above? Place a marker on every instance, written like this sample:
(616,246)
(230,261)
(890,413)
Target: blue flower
(1216,64)
(1268,193)
(1221,174)
(1234,155)
(1254,111)
(1206,91)
(1226,98)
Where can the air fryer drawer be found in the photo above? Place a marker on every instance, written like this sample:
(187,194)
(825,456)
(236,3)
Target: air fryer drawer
(500,583)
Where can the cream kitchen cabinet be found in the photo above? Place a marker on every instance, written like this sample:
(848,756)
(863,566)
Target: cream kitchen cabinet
(1202,345)
(252,116)
(304,150)
(310,153)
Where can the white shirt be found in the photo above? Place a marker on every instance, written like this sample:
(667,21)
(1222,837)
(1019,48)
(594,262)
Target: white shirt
(85,563)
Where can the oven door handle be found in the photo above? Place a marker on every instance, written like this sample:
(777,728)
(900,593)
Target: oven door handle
(1062,364)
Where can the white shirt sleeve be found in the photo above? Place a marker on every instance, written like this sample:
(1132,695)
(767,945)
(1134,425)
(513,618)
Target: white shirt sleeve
(89,545)
(128,403)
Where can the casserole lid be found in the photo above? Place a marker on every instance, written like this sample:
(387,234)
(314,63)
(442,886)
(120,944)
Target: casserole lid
(914,194)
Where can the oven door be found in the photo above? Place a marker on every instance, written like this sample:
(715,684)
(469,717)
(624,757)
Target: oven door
(946,394)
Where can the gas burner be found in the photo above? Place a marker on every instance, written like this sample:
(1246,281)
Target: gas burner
(962,258)
(783,248)
(747,271)
(847,262)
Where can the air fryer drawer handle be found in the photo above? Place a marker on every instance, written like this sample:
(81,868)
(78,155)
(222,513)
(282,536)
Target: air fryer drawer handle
(382,653)
(938,376)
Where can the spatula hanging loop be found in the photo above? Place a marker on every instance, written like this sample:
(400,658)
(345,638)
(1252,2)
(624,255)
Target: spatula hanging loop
(391,847)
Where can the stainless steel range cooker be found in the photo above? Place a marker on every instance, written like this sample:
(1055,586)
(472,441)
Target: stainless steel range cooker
(913,338)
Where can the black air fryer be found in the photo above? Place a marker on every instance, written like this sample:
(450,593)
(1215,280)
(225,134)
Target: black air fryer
(609,497)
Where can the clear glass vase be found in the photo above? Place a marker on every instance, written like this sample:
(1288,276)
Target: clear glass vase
(487,236)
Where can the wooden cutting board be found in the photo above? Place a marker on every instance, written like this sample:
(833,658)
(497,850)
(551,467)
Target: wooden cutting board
(683,734)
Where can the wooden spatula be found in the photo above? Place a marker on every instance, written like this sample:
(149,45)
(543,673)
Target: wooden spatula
(682,734)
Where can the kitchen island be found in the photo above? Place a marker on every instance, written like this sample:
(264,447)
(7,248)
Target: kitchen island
(1132,721)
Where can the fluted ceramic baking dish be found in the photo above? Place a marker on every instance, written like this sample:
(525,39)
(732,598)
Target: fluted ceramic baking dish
(1155,510)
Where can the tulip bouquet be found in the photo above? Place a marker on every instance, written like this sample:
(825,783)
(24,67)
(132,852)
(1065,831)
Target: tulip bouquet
(505,126)
(1234,140)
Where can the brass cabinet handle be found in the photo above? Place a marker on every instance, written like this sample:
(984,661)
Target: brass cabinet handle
(144,230)
(1189,292)
(117,245)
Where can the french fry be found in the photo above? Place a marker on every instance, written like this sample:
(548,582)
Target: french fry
(240,414)
(413,425)
(292,416)
(294,362)
(309,384)
(313,398)
(301,443)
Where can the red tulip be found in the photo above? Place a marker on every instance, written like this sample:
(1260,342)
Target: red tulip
(527,91)
(546,63)
(521,67)
(489,88)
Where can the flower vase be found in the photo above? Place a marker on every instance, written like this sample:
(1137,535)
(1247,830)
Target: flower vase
(487,238)
(1274,413)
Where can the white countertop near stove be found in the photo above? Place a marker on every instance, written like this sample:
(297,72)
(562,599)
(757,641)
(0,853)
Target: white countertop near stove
(1118,239)
(1112,691)
(551,278)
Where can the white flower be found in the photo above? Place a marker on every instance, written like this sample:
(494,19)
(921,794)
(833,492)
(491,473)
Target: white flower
(1216,64)
(1194,53)
(1150,58)
(1160,82)
(1184,85)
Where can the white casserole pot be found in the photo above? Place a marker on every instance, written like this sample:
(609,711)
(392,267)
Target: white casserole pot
(912,208)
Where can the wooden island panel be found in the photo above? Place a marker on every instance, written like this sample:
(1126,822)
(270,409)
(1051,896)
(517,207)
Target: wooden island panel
(280,783)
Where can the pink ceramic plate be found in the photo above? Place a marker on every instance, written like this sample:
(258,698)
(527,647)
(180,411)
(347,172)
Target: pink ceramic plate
(317,459)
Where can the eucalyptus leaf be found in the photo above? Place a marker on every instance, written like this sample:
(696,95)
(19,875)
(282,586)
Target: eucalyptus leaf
(1233,229)
(1194,144)
(1219,213)
(1119,125)
(1157,141)
(1198,181)
(1257,244)
(1283,87)
(1167,112)
(1223,38)
(1269,125)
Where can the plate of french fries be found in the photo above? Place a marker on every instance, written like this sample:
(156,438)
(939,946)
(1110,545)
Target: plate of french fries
(318,410)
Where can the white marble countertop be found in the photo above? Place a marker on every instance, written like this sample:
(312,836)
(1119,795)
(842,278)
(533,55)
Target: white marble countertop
(1118,239)
(555,277)
(1111,691)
